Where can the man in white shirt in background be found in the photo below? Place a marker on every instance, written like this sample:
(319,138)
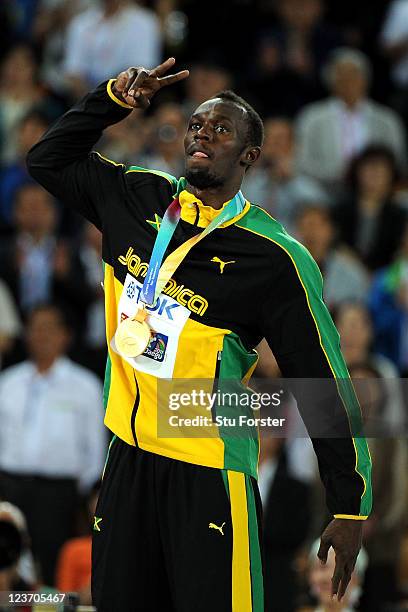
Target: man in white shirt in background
(52,439)
(333,131)
(107,38)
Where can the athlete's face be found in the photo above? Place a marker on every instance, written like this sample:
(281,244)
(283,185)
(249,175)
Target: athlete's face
(214,144)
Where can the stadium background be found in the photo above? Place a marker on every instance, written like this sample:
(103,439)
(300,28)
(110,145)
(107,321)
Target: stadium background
(330,80)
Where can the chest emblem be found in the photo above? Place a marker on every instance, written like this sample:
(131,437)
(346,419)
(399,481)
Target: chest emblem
(156,222)
(221,263)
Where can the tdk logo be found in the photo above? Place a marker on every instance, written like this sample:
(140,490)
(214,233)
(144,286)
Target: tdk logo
(163,307)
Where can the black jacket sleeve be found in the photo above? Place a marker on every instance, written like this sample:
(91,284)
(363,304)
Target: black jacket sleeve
(63,161)
(305,342)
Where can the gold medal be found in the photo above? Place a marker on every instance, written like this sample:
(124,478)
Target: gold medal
(133,335)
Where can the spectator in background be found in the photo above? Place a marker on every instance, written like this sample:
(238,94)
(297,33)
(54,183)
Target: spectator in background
(106,39)
(345,278)
(50,34)
(354,324)
(388,303)
(384,528)
(26,259)
(205,80)
(35,264)
(10,326)
(29,131)
(321,584)
(286,515)
(167,152)
(52,440)
(20,92)
(276,181)
(368,219)
(74,562)
(335,130)
(290,55)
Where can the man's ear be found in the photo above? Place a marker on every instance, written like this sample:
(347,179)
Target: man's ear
(250,155)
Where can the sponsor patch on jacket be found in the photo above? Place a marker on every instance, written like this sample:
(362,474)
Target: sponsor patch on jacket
(156,348)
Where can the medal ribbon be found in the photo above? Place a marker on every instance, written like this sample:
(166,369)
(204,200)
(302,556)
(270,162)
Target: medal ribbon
(159,274)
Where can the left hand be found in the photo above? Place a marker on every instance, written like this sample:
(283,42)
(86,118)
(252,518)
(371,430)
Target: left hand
(345,536)
(137,85)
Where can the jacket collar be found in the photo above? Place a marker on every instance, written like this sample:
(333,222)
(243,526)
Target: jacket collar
(190,204)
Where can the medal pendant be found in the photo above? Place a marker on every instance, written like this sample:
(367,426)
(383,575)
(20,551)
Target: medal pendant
(133,335)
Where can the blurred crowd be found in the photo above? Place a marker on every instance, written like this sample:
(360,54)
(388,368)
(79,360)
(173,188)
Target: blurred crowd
(330,80)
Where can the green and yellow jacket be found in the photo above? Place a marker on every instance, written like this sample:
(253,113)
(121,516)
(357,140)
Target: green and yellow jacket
(211,316)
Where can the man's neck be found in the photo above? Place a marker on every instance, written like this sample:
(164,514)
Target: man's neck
(44,365)
(214,197)
(35,237)
(112,9)
(352,104)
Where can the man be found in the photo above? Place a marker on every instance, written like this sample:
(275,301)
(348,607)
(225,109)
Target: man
(176,526)
(35,264)
(52,440)
(101,40)
(331,132)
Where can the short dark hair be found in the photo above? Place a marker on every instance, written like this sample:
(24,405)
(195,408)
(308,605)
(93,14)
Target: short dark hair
(255,131)
(320,208)
(61,311)
(373,152)
(30,184)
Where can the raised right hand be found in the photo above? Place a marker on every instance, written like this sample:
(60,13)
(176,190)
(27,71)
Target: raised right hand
(137,86)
